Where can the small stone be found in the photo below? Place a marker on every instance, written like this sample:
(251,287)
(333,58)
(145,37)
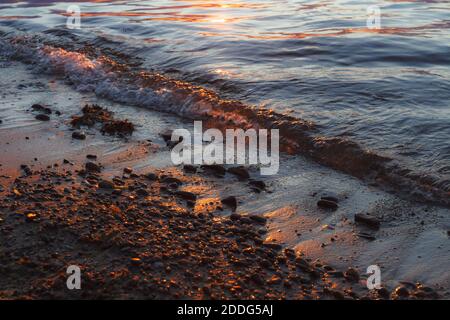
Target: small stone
(383,293)
(127,170)
(186,195)
(136,261)
(326,204)
(91,157)
(189,168)
(216,168)
(31,216)
(78,135)
(258,184)
(369,221)
(235,216)
(240,172)
(401,291)
(105,184)
(151,176)
(171,180)
(142,192)
(258,219)
(42,117)
(352,275)
(166,135)
(231,202)
(26,169)
(92,167)
(40,108)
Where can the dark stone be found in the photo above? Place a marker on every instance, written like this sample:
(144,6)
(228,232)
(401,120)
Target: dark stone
(336,274)
(42,117)
(326,204)
(369,221)
(258,219)
(104,184)
(142,192)
(91,157)
(166,135)
(274,246)
(78,135)
(231,202)
(171,180)
(186,195)
(151,176)
(240,172)
(189,168)
(216,168)
(92,167)
(40,108)
(26,169)
(401,291)
(258,184)
(127,170)
(383,293)
(352,275)
(235,216)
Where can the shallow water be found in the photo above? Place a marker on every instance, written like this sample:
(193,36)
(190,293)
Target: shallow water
(387,89)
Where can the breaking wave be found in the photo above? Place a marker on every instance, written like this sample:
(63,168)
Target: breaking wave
(113,76)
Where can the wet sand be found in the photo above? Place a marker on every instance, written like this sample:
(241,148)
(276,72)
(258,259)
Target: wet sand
(140,228)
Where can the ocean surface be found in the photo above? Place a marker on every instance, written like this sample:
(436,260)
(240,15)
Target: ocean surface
(371,102)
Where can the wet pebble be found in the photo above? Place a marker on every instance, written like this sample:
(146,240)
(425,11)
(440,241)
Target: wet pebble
(327,204)
(78,135)
(352,275)
(92,167)
(230,202)
(42,117)
(240,172)
(367,220)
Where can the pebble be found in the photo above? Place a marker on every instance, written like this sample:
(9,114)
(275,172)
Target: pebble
(42,117)
(258,184)
(92,167)
(151,176)
(91,157)
(352,275)
(127,170)
(216,168)
(142,192)
(258,219)
(186,195)
(327,204)
(78,135)
(40,108)
(230,201)
(401,291)
(104,184)
(240,172)
(189,168)
(369,221)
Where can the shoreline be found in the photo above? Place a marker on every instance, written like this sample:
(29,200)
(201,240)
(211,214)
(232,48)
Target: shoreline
(101,227)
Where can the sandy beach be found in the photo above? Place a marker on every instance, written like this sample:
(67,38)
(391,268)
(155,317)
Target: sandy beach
(141,228)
